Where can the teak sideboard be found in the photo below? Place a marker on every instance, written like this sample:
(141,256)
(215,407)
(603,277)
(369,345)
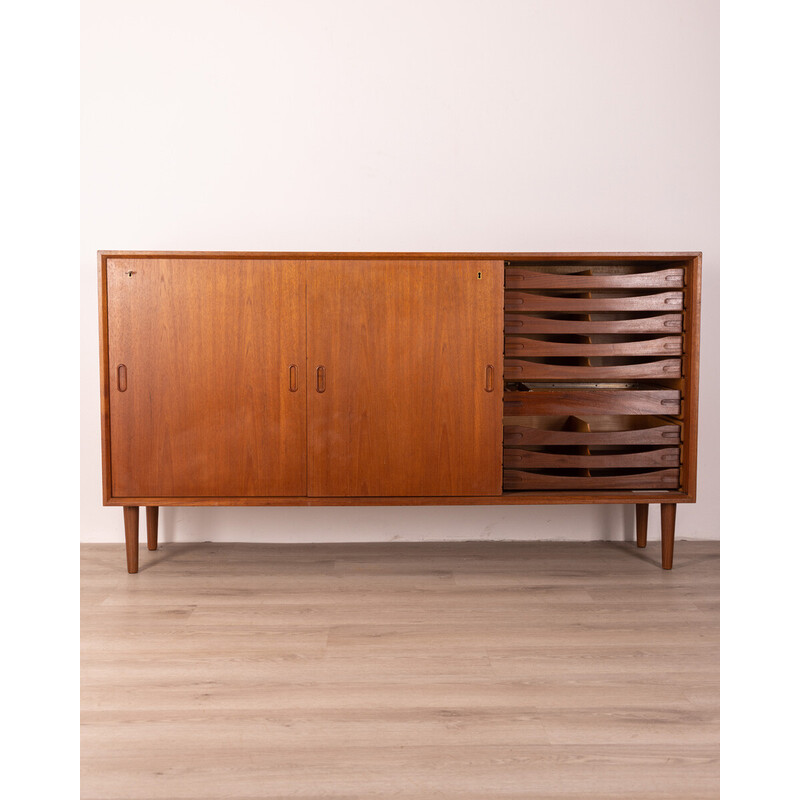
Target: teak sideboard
(398,379)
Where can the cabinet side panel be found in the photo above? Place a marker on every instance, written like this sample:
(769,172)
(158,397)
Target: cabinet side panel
(203,404)
(692,375)
(105,422)
(404,409)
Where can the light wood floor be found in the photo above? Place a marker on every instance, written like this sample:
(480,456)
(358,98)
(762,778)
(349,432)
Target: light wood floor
(458,670)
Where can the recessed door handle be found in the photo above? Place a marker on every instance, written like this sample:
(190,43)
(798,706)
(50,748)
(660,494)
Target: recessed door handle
(293,378)
(320,379)
(122,377)
(489,386)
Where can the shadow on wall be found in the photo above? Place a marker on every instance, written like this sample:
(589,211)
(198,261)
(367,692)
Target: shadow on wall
(612,522)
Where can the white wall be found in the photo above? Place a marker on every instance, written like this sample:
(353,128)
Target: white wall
(414,125)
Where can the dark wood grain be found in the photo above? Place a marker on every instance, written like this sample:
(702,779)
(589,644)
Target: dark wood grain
(641,524)
(514,479)
(526,459)
(208,409)
(130,516)
(529,301)
(611,431)
(691,383)
(529,347)
(151,513)
(516,498)
(527,323)
(405,347)
(667,534)
(521,278)
(516,369)
(592,401)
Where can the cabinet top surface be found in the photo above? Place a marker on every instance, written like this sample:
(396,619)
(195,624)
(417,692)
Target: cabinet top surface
(389,255)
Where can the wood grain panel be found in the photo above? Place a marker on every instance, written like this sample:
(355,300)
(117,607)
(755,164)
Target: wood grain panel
(207,409)
(405,346)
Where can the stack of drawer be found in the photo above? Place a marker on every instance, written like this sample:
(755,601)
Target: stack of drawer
(593,373)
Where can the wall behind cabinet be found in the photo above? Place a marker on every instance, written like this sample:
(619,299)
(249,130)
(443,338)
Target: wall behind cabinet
(416,125)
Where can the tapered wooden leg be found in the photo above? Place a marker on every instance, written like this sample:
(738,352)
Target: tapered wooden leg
(641,524)
(131,515)
(152,527)
(667,534)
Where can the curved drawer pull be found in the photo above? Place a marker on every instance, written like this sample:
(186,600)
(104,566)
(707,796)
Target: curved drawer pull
(122,377)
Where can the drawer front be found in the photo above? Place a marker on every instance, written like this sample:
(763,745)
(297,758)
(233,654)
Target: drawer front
(613,369)
(580,277)
(518,480)
(531,347)
(517,458)
(588,302)
(666,324)
(591,431)
(603,452)
(592,401)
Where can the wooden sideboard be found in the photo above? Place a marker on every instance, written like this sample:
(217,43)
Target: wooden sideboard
(398,379)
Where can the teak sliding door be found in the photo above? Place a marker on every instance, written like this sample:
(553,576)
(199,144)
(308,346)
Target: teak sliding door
(207,386)
(405,378)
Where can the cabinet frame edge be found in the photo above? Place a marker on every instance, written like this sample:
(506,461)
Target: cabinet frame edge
(105,392)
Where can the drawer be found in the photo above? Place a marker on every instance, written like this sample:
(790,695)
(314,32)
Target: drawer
(591,458)
(581,399)
(553,347)
(550,357)
(592,431)
(593,452)
(581,277)
(588,302)
(622,324)
(617,369)
(519,480)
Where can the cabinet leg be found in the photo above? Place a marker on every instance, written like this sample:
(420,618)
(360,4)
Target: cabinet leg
(667,534)
(152,527)
(641,524)
(131,516)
